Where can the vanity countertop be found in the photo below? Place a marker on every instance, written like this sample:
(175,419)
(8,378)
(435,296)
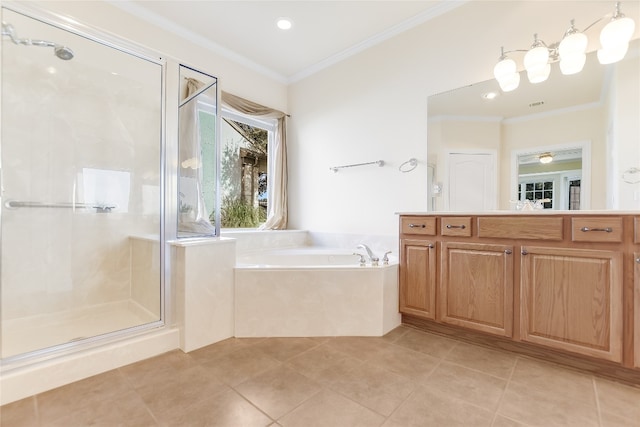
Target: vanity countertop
(531,212)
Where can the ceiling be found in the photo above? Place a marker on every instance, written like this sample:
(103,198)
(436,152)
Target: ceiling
(323,33)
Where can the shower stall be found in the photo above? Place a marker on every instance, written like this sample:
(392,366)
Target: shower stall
(82,189)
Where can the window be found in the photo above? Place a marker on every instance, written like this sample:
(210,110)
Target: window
(538,190)
(245,145)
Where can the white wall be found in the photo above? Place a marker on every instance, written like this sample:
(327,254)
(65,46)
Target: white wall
(374,106)
(233,78)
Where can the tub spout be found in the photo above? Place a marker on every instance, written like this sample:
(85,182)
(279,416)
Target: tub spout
(372,257)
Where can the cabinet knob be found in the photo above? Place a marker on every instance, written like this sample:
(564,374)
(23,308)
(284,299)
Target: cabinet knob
(524,252)
(638,260)
(462,227)
(430,246)
(417,226)
(508,251)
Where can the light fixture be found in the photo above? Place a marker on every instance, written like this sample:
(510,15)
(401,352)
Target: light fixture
(490,96)
(536,61)
(284,23)
(570,52)
(545,158)
(506,73)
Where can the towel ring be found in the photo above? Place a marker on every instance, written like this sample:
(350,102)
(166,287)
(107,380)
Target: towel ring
(626,176)
(408,166)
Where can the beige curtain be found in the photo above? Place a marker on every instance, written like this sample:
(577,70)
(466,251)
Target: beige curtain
(278,204)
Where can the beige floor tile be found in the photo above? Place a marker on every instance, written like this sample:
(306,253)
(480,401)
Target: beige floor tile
(222,348)
(619,399)
(159,369)
(224,409)
(240,365)
(396,333)
(492,362)
(127,410)
(408,363)
(535,407)
(501,421)
(284,349)
(278,390)
(613,420)
(61,401)
(468,385)
(378,389)
(19,414)
(433,345)
(426,408)
(360,348)
(323,363)
(554,379)
(331,409)
(184,388)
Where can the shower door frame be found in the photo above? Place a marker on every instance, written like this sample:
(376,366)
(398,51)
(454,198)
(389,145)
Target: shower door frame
(70,25)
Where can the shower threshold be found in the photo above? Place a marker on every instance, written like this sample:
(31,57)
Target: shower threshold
(27,334)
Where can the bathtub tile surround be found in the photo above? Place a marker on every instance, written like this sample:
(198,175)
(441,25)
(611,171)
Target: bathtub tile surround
(333,382)
(296,301)
(203,278)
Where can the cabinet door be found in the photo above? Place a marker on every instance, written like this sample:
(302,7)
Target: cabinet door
(418,278)
(572,300)
(476,287)
(636,309)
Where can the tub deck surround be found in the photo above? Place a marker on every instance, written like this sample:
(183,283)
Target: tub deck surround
(562,285)
(203,281)
(297,293)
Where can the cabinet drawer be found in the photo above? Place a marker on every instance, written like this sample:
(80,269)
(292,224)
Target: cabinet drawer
(456,226)
(521,227)
(601,229)
(425,226)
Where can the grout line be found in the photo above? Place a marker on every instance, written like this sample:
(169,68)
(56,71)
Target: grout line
(504,391)
(242,396)
(595,392)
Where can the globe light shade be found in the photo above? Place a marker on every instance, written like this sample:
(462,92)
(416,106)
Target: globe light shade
(509,83)
(545,158)
(617,32)
(539,74)
(507,75)
(612,54)
(572,64)
(536,61)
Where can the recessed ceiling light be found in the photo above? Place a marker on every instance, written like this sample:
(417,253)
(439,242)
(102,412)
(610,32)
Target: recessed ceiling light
(490,95)
(284,23)
(51,70)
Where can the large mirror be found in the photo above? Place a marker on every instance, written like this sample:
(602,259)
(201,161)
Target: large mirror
(571,142)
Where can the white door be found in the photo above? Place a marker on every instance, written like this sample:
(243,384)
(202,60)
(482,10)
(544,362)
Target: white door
(472,181)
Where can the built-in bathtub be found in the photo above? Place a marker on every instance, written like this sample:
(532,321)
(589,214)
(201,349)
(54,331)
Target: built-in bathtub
(311,291)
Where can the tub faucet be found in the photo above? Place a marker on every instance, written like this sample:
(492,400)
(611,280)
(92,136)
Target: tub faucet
(374,259)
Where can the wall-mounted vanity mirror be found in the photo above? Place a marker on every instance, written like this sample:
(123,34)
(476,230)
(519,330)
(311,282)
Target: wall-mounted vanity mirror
(488,147)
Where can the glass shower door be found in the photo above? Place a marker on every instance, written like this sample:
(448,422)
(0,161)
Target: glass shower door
(81,184)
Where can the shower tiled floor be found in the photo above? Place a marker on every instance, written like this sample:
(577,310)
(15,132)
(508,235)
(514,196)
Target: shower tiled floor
(407,378)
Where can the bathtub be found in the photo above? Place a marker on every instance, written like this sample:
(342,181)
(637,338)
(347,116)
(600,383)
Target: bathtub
(309,291)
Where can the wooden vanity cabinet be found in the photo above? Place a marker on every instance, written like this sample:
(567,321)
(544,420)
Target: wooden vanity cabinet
(571,300)
(636,299)
(557,286)
(418,278)
(476,287)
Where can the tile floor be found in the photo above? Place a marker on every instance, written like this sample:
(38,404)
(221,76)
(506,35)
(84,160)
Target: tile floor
(406,378)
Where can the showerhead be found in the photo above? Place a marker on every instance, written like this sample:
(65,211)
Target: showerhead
(60,51)
(63,52)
